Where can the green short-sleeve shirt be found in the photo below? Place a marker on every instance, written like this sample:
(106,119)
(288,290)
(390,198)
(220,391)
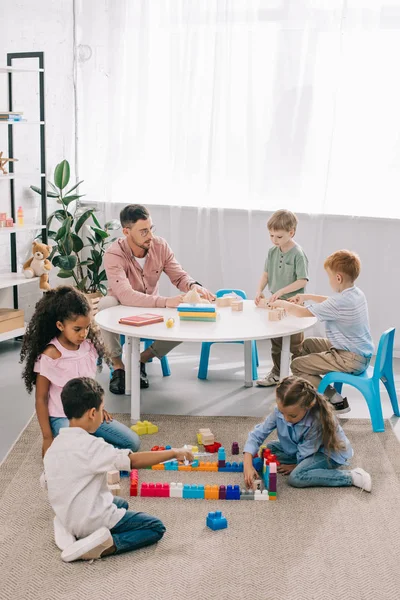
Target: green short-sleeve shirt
(286,268)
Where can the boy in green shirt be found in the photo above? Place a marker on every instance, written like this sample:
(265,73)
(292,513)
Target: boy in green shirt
(286,273)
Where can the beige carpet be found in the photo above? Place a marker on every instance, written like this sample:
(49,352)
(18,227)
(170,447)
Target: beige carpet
(320,544)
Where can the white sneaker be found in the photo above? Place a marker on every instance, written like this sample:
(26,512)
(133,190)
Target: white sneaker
(90,547)
(62,537)
(269,380)
(361,479)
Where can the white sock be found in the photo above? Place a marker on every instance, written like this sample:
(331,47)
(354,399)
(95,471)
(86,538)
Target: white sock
(361,479)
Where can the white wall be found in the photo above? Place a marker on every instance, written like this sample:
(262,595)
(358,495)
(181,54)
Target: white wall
(27,26)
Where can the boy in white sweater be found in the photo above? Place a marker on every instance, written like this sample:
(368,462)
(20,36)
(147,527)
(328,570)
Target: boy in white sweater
(94,523)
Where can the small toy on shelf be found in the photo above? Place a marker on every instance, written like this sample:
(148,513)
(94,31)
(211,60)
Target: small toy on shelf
(216,520)
(38,265)
(235,448)
(4,161)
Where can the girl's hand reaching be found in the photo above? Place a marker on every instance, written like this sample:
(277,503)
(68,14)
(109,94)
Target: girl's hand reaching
(250,474)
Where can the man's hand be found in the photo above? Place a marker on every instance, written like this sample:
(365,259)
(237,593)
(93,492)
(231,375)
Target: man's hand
(204,292)
(47,441)
(286,469)
(182,454)
(297,299)
(107,417)
(259,296)
(174,301)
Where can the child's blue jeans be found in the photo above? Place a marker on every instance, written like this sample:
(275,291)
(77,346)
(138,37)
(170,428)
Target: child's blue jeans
(316,470)
(135,530)
(115,433)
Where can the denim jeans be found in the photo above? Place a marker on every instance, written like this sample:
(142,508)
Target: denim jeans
(316,470)
(115,433)
(135,530)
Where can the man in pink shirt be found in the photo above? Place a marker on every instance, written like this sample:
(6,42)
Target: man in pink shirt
(134,265)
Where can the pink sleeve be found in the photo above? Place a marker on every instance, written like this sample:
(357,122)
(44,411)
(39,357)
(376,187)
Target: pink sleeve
(175,272)
(52,370)
(121,287)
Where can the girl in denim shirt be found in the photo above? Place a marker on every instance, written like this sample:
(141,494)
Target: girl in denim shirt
(312,445)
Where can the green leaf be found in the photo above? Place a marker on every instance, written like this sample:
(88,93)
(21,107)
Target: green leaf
(51,235)
(113,224)
(62,174)
(96,222)
(56,260)
(92,267)
(102,276)
(91,241)
(39,191)
(74,187)
(82,284)
(76,242)
(85,263)
(60,233)
(68,199)
(102,234)
(103,289)
(83,218)
(68,245)
(67,263)
(53,187)
(65,274)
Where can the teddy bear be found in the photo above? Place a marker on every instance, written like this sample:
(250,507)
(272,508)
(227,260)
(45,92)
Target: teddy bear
(38,265)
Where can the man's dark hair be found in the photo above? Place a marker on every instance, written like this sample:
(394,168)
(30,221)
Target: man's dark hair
(133,213)
(80,395)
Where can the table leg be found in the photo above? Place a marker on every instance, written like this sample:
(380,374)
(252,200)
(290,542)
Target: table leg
(135,380)
(127,362)
(285,357)
(248,374)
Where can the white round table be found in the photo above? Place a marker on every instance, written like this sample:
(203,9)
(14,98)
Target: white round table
(231,326)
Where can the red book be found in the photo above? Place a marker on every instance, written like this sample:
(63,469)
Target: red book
(139,320)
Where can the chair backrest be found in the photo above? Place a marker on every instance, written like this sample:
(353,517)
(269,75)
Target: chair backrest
(240,293)
(385,352)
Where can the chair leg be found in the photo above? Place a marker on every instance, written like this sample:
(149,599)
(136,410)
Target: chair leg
(256,353)
(254,373)
(147,344)
(165,367)
(388,382)
(372,396)
(204,359)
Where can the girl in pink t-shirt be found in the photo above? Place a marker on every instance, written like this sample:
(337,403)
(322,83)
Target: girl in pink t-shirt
(61,343)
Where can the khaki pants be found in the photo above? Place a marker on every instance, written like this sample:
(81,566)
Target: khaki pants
(318,357)
(112,340)
(296,342)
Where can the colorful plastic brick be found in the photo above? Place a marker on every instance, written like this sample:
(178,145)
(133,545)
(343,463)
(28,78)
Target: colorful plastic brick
(247,495)
(221,464)
(272,497)
(216,521)
(212,448)
(222,492)
(144,427)
(171,466)
(184,468)
(176,490)
(272,467)
(133,490)
(257,463)
(233,492)
(221,453)
(272,482)
(232,468)
(193,491)
(195,450)
(158,468)
(261,495)
(168,447)
(211,492)
(235,448)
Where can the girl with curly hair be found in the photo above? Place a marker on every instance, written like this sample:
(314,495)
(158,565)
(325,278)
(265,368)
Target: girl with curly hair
(312,445)
(61,343)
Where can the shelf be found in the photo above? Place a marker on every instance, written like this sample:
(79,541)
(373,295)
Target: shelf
(16,229)
(12,334)
(23,122)
(17,70)
(10,279)
(20,176)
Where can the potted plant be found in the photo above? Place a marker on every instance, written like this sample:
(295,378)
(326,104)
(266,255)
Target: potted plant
(80,241)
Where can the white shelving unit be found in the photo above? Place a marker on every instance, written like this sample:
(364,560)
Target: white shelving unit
(14,279)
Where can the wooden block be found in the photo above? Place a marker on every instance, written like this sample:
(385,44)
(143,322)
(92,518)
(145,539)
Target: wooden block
(263,303)
(223,302)
(276,314)
(11,319)
(113,477)
(237,305)
(115,489)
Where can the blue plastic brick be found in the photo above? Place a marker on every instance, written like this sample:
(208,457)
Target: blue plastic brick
(233,492)
(193,491)
(168,447)
(221,454)
(171,466)
(124,473)
(216,521)
(232,468)
(195,463)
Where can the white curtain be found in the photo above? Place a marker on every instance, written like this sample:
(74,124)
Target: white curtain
(257,104)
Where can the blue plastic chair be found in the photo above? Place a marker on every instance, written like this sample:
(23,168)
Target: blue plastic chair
(368,382)
(164,360)
(206,346)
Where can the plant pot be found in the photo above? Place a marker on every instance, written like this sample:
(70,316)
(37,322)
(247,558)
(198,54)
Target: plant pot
(94,299)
